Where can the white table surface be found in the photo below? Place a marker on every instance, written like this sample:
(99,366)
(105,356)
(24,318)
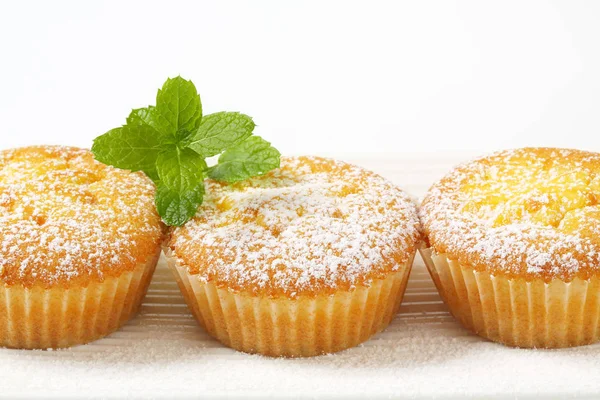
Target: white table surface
(163,353)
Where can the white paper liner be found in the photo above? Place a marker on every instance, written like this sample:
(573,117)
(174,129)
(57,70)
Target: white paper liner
(293,327)
(517,312)
(40,318)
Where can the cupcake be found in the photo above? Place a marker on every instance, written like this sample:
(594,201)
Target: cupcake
(78,244)
(513,246)
(308,259)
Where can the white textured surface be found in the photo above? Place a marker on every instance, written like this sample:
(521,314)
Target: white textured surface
(164,354)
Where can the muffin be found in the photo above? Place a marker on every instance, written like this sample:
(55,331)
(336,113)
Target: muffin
(513,246)
(78,245)
(308,259)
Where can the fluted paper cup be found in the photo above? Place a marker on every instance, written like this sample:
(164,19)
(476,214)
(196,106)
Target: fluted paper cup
(41,318)
(518,312)
(293,327)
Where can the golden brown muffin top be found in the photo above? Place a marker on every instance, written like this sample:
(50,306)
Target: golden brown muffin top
(66,218)
(530,213)
(311,227)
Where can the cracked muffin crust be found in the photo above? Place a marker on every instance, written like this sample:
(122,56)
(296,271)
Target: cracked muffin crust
(313,226)
(66,218)
(529,212)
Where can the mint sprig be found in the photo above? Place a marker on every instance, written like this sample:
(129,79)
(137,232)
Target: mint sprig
(170,141)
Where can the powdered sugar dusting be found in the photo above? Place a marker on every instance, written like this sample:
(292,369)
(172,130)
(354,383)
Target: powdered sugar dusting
(314,224)
(529,212)
(64,216)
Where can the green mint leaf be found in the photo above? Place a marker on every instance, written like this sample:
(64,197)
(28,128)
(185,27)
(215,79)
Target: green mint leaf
(178,207)
(129,147)
(146,119)
(143,117)
(180,169)
(219,131)
(254,156)
(178,109)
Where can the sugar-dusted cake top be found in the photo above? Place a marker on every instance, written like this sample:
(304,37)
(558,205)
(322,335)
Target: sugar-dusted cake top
(312,226)
(529,212)
(65,217)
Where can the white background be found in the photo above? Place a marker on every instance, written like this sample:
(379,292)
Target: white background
(318,77)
